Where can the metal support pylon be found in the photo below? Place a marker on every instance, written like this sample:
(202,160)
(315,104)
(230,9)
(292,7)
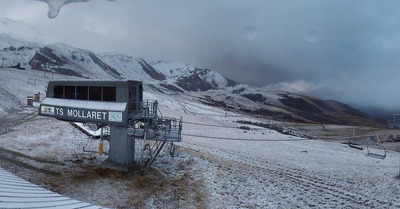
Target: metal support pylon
(158,146)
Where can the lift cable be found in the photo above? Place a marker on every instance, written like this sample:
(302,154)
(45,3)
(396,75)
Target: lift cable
(221,126)
(207,114)
(347,137)
(244,139)
(233,127)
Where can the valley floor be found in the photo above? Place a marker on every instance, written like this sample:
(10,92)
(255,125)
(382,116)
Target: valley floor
(207,173)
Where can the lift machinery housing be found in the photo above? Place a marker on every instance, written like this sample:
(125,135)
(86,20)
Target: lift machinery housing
(118,104)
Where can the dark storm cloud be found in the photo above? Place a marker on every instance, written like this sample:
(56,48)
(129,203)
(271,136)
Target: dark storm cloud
(344,50)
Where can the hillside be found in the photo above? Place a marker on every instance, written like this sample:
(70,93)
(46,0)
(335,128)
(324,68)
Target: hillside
(201,84)
(264,169)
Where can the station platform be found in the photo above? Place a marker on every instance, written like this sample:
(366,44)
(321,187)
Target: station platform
(18,193)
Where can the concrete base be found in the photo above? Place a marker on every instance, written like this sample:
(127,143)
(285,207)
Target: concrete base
(122,149)
(112,166)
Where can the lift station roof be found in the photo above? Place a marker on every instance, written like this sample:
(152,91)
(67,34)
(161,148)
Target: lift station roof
(94,101)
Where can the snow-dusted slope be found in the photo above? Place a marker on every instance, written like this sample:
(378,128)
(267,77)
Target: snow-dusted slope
(205,85)
(64,59)
(246,173)
(179,72)
(16,51)
(184,76)
(127,66)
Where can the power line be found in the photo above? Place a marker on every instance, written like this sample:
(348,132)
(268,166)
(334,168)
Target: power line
(221,126)
(348,137)
(208,114)
(211,125)
(244,139)
(233,127)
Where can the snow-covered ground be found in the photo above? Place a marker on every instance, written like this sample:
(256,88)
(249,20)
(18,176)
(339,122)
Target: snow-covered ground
(209,172)
(287,173)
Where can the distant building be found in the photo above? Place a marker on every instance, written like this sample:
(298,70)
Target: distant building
(395,122)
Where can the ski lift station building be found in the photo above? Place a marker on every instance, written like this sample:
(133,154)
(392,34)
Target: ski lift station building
(117,103)
(103,102)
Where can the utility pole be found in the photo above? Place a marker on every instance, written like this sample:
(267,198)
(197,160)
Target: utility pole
(4,59)
(226,110)
(44,70)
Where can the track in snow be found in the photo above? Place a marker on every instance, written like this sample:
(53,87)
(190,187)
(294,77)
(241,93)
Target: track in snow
(295,187)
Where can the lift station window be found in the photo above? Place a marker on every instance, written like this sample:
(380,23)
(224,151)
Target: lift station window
(69,92)
(59,92)
(91,93)
(109,94)
(95,93)
(82,92)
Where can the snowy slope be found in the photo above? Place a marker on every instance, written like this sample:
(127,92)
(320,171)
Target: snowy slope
(236,173)
(127,66)
(64,59)
(203,84)
(16,50)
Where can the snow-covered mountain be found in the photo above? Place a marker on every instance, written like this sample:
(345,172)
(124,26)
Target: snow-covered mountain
(204,85)
(64,59)
(16,50)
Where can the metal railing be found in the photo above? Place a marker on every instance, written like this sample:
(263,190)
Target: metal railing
(147,107)
(154,127)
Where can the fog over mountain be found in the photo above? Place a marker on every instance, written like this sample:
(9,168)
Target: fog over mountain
(347,51)
(169,78)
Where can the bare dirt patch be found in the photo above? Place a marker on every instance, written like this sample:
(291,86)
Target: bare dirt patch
(87,181)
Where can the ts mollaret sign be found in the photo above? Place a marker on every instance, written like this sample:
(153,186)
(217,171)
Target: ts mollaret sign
(81,114)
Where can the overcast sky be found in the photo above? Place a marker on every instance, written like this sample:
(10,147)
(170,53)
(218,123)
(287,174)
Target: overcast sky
(343,50)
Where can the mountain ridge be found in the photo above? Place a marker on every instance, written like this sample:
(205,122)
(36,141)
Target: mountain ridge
(208,86)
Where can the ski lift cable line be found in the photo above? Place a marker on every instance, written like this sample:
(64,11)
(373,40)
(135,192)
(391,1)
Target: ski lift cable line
(221,126)
(238,127)
(347,137)
(248,139)
(196,113)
